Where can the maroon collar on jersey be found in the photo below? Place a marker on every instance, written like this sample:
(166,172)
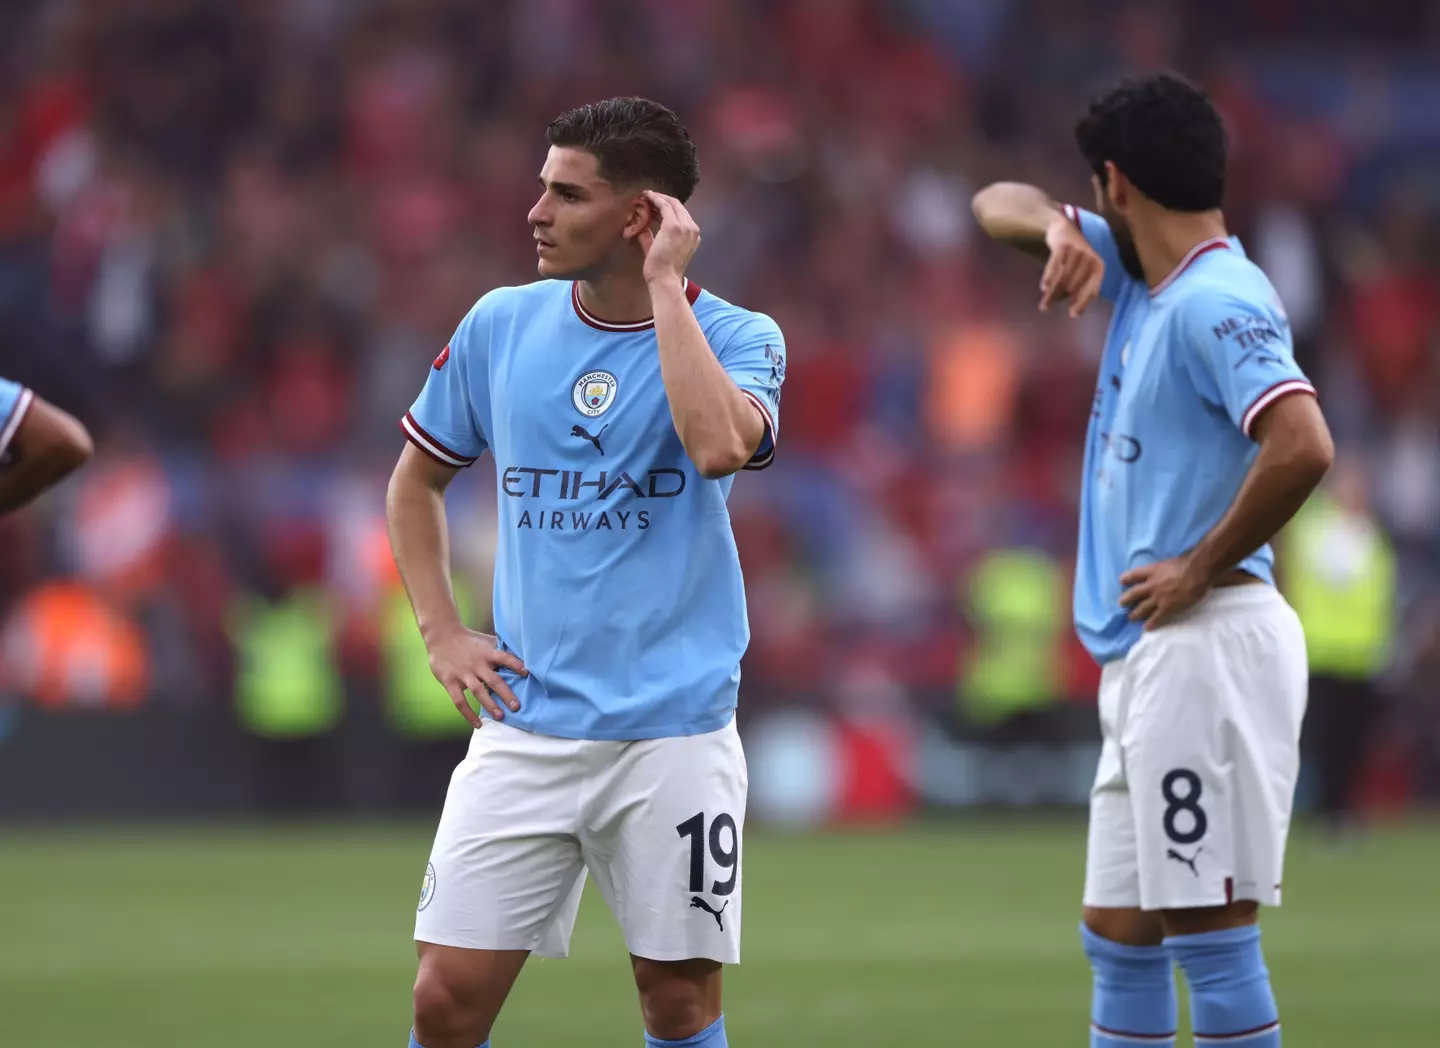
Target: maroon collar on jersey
(1205,246)
(692,292)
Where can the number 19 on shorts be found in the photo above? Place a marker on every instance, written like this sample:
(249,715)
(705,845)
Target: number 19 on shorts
(723,842)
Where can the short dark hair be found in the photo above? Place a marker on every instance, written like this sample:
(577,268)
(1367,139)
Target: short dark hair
(635,140)
(1167,137)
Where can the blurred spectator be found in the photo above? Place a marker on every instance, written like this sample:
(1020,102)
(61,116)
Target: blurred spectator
(66,646)
(1340,573)
(289,694)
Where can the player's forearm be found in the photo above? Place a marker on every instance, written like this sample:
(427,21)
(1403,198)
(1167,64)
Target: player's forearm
(49,446)
(420,542)
(718,426)
(1278,484)
(1015,213)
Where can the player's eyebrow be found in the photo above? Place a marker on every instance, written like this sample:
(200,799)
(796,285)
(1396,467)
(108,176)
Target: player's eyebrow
(560,187)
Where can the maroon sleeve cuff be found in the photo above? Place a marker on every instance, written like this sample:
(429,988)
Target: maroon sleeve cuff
(432,447)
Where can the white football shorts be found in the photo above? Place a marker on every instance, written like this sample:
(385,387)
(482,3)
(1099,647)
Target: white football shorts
(658,823)
(1201,722)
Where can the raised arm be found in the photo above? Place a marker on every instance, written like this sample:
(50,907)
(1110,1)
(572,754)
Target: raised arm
(1025,218)
(721,427)
(1017,214)
(39,446)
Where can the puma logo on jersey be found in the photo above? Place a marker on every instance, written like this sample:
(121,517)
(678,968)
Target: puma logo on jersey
(580,431)
(697,903)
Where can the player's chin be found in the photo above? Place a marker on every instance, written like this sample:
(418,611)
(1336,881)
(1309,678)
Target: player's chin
(553,266)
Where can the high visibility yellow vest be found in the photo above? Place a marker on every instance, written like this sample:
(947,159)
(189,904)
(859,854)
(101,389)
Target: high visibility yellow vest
(287,683)
(418,706)
(1016,601)
(1338,572)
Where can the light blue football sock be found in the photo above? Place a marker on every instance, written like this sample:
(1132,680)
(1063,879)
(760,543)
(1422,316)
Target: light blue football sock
(1133,1000)
(416,1044)
(1231,1002)
(713,1036)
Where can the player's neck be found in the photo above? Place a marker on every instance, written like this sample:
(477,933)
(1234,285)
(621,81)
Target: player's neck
(1163,244)
(617,298)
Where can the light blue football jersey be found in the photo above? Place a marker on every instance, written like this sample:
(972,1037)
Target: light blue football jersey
(14,402)
(1188,366)
(617,580)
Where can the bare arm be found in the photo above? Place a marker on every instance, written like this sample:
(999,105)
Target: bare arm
(719,426)
(1025,218)
(47,446)
(420,540)
(1295,453)
(461,659)
(1017,214)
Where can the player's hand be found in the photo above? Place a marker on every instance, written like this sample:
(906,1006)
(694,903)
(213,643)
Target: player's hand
(1074,270)
(464,660)
(1156,593)
(668,252)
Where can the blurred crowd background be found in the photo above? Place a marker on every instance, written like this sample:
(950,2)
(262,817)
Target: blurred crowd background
(233,235)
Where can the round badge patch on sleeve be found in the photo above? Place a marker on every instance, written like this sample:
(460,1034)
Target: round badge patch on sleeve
(427,887)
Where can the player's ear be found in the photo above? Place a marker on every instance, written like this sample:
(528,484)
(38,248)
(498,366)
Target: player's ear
(1117,187)
(641,217)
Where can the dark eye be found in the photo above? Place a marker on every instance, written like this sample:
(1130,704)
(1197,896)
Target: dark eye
(565,194)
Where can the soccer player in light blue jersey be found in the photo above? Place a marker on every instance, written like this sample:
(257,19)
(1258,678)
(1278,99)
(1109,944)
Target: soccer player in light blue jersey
(1205,438)
(618,400)
(40,445)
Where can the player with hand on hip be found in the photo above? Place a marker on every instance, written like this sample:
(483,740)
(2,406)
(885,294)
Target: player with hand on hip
(618,400)
(40,445)
(1204,440)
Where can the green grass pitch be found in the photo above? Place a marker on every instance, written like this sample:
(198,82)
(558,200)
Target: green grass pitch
(956,933)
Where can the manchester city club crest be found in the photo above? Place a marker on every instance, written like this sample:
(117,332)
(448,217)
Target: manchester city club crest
(594,393)
(427,887)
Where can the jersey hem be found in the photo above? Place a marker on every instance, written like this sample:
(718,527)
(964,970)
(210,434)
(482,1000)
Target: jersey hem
(661,731)
(1228,598)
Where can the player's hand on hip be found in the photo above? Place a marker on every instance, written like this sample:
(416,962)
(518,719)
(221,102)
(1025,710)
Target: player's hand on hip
(464,660)
(669,250)
(1074,271)
(1157,593)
